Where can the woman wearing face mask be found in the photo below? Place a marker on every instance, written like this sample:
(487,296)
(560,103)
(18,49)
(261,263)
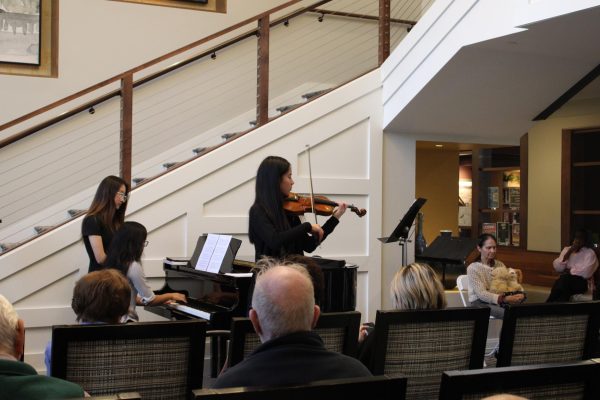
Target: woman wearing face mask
(577,264)
(480,279)
(104,217)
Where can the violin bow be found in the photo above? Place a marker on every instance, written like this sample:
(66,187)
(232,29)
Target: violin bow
(312,193)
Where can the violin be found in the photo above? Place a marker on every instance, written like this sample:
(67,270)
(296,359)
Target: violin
(298,204)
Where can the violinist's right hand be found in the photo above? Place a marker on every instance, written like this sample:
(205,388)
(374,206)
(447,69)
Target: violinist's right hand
(317,231)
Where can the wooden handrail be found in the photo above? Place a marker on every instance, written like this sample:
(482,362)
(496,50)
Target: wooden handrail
(362,16)
(36,128)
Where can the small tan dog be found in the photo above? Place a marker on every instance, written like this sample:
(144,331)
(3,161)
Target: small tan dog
(504,280)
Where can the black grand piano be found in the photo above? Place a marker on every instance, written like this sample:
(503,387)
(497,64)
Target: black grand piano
(218,298)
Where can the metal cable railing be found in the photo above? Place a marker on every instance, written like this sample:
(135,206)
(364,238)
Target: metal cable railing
(196,103)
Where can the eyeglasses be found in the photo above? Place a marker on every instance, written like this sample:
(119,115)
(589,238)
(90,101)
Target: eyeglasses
(146,243)
(122,195)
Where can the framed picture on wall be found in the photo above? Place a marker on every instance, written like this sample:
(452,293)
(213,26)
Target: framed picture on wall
(20,31)
(219,6)
(29,37)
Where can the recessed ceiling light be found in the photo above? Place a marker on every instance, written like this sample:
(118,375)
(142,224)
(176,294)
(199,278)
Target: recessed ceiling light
(439,145)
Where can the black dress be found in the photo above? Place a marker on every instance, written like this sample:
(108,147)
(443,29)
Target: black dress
(91,226)
(268,241)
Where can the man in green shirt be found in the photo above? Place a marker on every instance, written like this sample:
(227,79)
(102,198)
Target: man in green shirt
(19,380)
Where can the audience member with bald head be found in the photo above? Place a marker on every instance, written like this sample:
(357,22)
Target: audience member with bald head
(19,380)
(283,303)
(283,314)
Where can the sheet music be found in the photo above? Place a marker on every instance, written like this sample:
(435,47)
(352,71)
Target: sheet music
(219,253)
(207,252)
(213,253)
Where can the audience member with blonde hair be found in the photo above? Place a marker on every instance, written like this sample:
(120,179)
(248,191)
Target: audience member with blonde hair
(417,287)
(100,297)
(19,380)
(414,287)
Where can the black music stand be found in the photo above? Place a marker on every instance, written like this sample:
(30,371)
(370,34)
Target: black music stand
(446,249)
(400,234)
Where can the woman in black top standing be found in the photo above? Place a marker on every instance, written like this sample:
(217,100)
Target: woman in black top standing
(273,232)
(105,215)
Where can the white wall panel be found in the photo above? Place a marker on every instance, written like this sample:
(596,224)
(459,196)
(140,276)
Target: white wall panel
(213,194)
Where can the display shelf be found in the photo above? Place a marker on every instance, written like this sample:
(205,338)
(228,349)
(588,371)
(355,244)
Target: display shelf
(500,169)
(497,185)
(580,183)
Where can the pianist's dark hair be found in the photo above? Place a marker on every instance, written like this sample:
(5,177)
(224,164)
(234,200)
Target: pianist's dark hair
(127,246)
(103,204)
(268,191)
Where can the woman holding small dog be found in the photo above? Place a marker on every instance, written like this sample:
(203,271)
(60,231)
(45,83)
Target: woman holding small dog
(480,279)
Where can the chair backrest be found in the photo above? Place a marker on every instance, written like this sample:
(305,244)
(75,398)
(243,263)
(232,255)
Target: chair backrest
(548,333)
(374,387)
(548,381)
(339,332)
(462,283)
(156,359)
(421,344)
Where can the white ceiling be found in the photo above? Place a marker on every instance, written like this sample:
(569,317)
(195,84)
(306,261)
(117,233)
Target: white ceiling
(492,90)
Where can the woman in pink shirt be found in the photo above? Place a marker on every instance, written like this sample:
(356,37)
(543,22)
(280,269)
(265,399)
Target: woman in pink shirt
(577,264)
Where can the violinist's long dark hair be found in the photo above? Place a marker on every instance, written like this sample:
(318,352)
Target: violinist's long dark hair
(127,246)
(268,191)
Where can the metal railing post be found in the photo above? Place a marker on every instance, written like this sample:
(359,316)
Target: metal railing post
(126,127)
(384,30)
(262,73)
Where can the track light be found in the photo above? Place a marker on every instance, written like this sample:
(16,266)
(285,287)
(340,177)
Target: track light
(92,110)
(286,23)
(213,56)
(321,17)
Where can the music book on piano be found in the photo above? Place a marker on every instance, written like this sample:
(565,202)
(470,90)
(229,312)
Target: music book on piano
(177,260)
(215,253)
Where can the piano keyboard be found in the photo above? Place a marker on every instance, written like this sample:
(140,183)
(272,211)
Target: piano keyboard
(190,310)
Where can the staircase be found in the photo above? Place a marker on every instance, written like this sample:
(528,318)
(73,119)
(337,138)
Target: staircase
(165,107)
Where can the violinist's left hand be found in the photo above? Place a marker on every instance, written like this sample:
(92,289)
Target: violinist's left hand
(340,210)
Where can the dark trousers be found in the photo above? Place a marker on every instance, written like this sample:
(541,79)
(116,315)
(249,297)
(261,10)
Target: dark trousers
(566,286)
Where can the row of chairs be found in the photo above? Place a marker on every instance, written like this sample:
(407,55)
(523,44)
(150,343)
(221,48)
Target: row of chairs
(577,380)
(165,359)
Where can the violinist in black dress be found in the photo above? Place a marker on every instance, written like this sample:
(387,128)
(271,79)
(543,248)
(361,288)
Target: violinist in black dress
(274,232)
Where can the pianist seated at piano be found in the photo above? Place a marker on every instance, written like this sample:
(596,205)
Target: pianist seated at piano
(283,315)
(125,255)
(274,232)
